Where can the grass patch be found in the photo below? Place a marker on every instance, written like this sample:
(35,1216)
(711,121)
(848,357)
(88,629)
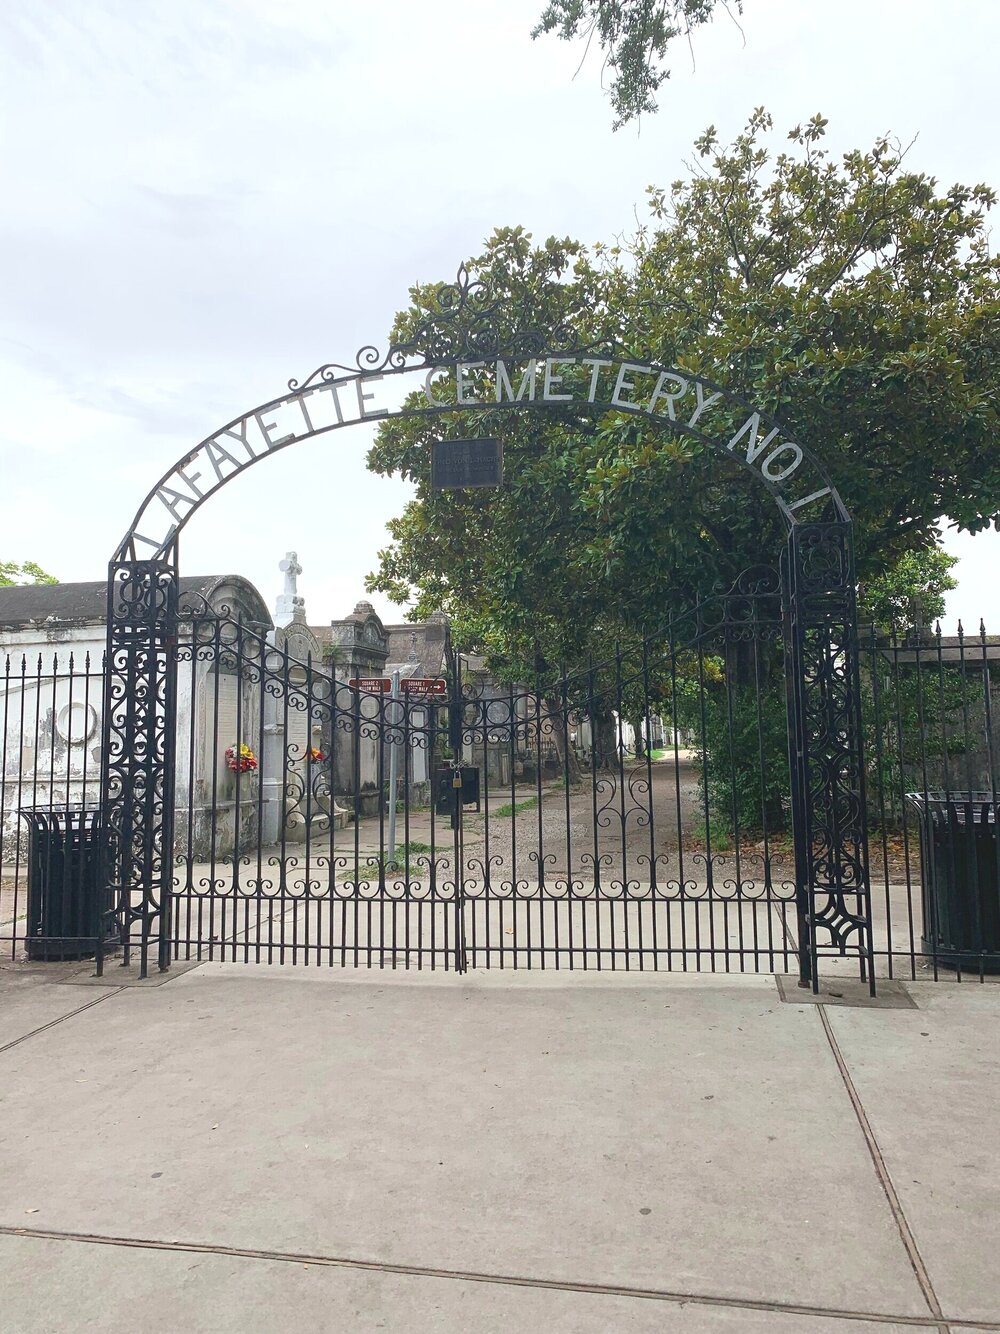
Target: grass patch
(657,754)
(780,844)
(720,836)
(511,809)
(406,853)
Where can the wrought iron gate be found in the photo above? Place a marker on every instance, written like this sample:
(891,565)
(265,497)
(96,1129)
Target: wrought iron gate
(494,892)
(646,811)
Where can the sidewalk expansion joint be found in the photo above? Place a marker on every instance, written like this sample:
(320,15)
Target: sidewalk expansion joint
(885,1180)
(304,1258)
(44,1028)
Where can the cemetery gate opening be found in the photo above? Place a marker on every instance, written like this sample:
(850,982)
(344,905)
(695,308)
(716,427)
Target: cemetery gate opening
(693,800)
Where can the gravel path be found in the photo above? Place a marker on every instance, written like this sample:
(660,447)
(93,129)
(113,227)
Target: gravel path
(620,825)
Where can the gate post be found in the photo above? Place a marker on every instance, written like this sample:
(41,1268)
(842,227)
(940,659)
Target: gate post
(456,731)
(138,750)
(829,816)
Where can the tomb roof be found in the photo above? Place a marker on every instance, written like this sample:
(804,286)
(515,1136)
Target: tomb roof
(86,603)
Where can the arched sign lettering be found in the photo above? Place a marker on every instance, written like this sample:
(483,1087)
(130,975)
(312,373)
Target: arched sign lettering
(668,398)
(483,370)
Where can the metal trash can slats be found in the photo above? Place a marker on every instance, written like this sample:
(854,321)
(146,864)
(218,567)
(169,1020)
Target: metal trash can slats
(960,877)
(69,913)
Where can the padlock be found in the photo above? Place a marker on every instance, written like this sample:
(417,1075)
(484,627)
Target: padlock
(457,780)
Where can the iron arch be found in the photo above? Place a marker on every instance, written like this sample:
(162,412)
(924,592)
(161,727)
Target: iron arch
(463,360)
(669,399)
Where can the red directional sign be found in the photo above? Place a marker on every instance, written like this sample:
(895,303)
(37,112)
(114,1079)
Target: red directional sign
(425,685)
(376,683)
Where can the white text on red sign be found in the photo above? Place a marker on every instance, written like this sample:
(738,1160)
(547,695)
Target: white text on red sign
(425,685)
(376,683)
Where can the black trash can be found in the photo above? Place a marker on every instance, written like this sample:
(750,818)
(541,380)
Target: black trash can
(68,907)
(960,878)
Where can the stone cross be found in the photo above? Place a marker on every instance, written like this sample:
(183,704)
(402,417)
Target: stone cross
(291,568)
(289,606)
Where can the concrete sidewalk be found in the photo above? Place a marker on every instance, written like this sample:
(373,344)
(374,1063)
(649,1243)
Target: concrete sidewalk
(267,1149)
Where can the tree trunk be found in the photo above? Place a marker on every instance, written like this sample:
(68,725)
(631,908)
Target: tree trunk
(640,740)
(560,736)
(605,740)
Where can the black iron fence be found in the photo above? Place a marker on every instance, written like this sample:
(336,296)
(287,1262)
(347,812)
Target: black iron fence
(632,814)
(933,765)
(50,770)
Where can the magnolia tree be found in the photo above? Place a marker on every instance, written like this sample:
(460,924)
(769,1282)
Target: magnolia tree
(852,298)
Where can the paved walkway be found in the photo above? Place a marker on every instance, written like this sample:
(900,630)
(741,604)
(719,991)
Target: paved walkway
(254,1149)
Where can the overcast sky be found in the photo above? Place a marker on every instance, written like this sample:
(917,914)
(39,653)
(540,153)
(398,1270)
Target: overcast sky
(204,198)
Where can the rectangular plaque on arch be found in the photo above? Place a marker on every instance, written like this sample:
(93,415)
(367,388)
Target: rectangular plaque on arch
(461,463)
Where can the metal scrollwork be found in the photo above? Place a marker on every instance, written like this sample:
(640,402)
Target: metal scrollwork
(471,324)
(137,755)
(831,826)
